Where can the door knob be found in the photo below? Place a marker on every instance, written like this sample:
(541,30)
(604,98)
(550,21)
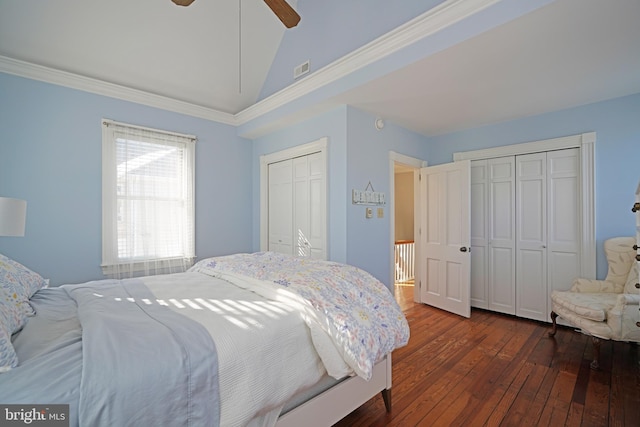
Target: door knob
(463,249)
(635,247)
(636,207)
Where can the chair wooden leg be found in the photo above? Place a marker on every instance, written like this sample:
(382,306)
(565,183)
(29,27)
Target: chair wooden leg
(596,353)
(554,327)
(386,396)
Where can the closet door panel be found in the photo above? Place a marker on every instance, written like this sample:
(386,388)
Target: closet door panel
(531,242)
(281,207)
(564,219)
(502,291)
(317,221)
(479,235)
(564,268)
(502,234)
(301,207)
(531,289)
(308,223)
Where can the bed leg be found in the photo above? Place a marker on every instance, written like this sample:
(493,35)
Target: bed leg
(386,396)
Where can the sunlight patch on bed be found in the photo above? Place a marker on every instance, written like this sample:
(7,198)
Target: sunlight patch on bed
(208,305)
(176,303)
(237,322)
(191,304)
(225,308)
(239,306)
(241,313)
(269,311)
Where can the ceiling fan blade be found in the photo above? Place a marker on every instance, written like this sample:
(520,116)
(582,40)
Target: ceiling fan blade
(183,2)
(284,12)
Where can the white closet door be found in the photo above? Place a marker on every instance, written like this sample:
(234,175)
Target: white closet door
(281,207)
(479,235)
(564,219)
(527,233)
(531,271)
(501,248)
(308,202)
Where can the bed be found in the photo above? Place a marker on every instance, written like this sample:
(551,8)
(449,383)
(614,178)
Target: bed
(260,339)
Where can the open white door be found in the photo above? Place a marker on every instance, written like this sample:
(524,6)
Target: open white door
(445,237)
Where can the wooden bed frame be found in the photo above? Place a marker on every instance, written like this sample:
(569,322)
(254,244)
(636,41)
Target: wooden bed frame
(342,399)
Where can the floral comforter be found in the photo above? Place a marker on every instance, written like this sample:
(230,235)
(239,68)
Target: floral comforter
(341,304)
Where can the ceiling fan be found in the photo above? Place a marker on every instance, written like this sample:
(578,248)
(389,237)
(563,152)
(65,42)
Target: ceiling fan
(281,8)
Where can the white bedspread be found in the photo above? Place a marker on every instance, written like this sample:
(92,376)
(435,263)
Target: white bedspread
(263,346)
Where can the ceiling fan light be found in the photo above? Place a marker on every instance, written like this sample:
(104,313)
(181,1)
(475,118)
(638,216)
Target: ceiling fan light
(183,2)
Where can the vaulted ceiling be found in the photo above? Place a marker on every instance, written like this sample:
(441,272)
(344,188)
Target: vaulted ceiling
(215,56)
(191,54)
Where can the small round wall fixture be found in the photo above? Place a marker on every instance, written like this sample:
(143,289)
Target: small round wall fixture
(379,123)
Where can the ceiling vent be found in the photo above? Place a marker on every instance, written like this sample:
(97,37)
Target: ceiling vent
(301,70)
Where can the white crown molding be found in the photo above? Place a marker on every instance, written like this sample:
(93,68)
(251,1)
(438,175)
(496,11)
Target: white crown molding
(571,141)
(430,22)
(87,84)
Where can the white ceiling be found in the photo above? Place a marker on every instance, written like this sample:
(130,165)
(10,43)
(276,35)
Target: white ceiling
(568,53)
(186,53)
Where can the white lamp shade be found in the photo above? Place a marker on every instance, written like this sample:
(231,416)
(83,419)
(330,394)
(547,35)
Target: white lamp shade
(13,214)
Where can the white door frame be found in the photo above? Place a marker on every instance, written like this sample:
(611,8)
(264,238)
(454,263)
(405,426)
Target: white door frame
(318,146)
(416,164)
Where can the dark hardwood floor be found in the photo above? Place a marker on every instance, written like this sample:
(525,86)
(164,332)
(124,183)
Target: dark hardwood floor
(498,370)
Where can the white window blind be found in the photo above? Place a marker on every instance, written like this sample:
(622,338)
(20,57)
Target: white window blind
(147,201)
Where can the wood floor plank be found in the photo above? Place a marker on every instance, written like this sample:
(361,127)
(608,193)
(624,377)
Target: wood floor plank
(625,385)
(498,370)
(525,411)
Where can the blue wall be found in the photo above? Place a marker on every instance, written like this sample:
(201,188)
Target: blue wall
(50,155)
(357,154)
(332,125)
(617,126)
(369,239)
(330,29)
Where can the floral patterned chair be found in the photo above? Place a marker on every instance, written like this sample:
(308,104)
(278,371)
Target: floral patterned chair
(604,309)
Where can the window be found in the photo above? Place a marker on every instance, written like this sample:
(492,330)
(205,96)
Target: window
(147,201)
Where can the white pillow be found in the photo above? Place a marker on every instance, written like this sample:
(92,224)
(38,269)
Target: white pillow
(20,282)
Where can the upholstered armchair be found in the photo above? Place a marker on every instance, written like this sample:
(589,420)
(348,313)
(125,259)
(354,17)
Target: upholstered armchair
(604,309)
